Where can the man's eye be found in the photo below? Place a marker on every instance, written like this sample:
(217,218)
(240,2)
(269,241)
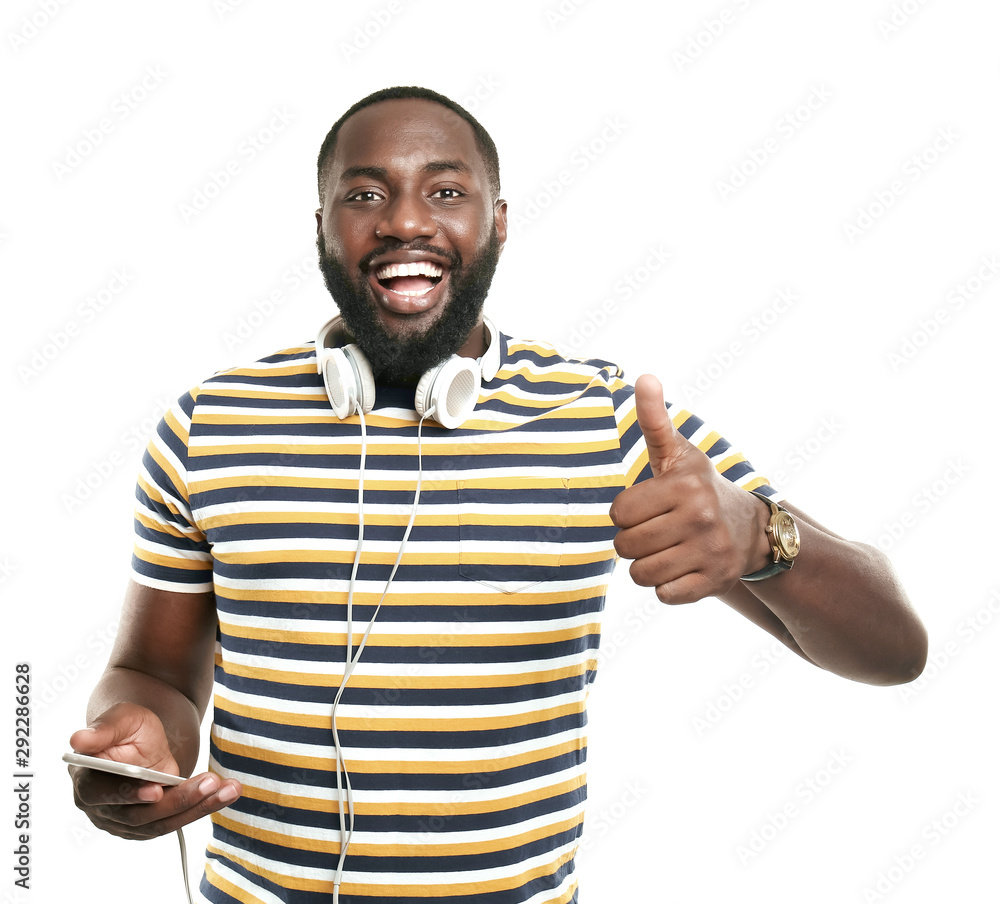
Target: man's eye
(447,194)
(366,195)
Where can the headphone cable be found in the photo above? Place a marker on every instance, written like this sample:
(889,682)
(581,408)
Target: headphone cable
(352,660)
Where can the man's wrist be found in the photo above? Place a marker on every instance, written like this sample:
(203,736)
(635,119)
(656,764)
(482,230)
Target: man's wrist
(782,536)
(761,553)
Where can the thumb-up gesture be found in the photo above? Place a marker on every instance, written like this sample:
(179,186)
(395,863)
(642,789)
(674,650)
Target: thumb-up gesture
(690,532)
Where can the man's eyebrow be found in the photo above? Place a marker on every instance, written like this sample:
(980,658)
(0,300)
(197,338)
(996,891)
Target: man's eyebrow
(355,172)
(380,173)
(440,166)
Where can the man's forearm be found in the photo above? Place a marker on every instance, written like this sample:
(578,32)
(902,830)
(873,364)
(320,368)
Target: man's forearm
(843,608)
(179,715)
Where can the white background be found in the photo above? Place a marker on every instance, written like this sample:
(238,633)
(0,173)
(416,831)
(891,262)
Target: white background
(698,740)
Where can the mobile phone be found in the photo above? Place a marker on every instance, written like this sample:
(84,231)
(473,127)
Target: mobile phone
(126,769)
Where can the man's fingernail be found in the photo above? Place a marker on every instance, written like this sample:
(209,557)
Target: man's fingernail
(147,794)
(208,786)
(228,794)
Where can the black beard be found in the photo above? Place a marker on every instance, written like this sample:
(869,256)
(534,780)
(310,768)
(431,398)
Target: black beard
(406,359)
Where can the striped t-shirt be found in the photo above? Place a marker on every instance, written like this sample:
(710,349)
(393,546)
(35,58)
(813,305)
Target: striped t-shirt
(464,724)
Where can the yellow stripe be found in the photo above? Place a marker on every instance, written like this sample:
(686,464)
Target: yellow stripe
(627,421)
(459,593)
(435,890)
(500,482)
(273,634)
(521,558)
(240,392)
(152,558)
(552,449)
(166,527)
(555,517)
(410,682)
(396,849)
(637,466)
(536,403)
(216,881)
(171,473)
(280,417)
(331,557)
(347,517)
(422,808)
(175,426)
(475,767)
(727,463)
(479,723)
(709,441)
(296,367)
(680,417)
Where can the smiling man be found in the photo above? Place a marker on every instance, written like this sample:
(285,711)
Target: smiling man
(404,617)
(408,243)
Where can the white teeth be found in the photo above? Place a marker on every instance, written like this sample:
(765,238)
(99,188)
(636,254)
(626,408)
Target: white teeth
(417,268)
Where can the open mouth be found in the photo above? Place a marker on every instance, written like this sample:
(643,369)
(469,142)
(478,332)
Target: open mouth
(410,280)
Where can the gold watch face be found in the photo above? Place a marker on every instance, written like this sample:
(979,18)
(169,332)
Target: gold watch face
(786,535)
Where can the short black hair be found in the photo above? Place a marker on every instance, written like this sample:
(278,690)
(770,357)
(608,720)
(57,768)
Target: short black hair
(487,149)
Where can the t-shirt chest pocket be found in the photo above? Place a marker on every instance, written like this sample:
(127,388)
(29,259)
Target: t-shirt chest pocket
(512,532)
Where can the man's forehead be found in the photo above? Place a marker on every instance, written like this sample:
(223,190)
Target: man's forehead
(412,128)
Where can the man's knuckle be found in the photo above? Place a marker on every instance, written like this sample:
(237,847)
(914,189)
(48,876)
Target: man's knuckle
(637,572)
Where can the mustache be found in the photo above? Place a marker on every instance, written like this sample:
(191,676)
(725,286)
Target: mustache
(453,257)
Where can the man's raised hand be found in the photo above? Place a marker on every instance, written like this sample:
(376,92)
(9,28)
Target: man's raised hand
(690,532)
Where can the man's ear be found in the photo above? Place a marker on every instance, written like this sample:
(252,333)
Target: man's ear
(500,220)
(319,221)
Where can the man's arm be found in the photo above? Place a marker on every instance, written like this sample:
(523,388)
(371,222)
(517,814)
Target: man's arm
(147,710)
(693,534)
(841,607)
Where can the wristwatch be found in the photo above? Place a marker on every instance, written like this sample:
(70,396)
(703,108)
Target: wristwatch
(783,535)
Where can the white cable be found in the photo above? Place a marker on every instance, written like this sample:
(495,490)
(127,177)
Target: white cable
(351,661)
(345,840)
(184,865)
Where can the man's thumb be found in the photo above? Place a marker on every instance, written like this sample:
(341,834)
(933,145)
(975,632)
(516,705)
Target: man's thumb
(662,440)
(113,727)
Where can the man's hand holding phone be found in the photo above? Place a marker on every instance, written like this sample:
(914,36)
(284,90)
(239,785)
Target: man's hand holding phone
(138,806)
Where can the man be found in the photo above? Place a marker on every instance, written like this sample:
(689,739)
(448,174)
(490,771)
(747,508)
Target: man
(462,721)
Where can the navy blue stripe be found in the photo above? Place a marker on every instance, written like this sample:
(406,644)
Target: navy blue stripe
(294,457)
(417,654)
(403,695)
(409,781)
(498,607)
(454,740)
(179,576)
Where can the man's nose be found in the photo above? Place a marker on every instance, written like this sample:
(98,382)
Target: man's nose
(406,217)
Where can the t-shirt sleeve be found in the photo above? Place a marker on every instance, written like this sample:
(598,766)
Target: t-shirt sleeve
(729,462)
(170,552)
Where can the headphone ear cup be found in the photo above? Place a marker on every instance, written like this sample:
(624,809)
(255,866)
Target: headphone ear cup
(348,378)
(449,392)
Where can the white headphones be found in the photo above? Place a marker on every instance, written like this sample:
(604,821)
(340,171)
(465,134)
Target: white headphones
(447,392)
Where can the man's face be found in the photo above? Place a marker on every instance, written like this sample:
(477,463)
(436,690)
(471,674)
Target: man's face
(409,236)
